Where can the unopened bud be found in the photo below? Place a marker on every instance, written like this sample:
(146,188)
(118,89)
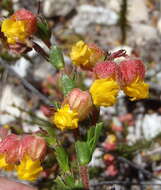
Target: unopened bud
(105,69)
(33,146)
(129,70)
(79,101)
(10,148)
(111,170)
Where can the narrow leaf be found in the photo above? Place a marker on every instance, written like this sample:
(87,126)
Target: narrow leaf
(93,136)
(43,30)
(83,152)
(66,84)
(62,158)
(56,57)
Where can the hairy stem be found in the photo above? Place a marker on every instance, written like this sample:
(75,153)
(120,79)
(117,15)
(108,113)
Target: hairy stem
(84,176)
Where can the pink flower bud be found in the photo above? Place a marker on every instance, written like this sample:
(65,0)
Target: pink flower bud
(111,171)
(129,70)
(105,69)
(29,17)
(79,101)
(33,146)
(10,147)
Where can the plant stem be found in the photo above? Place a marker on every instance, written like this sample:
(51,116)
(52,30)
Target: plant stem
(84,176)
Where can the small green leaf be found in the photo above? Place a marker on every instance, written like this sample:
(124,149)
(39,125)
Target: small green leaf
(93,136)
(56,57)
(85,149)
(83,152)
(70,181)
(66,84)
(51,141)
(43,30)
(62,158)
(60,183)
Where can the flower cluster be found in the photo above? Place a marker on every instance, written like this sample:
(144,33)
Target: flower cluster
(110,78)
(23,154)
(19,27)
(128,76)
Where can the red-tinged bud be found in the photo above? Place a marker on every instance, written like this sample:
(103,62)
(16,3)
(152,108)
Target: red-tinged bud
(111,171)
(80,101)
(105,69)
(129,70)
(108,158)
(33,146)
(29,17)
(10,148)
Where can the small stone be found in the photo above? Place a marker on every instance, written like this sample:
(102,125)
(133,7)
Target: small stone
(137,11)
(142,33)
(88,15)
(58,7)
(159,25)
(11,95)
(151,125)
(21,67)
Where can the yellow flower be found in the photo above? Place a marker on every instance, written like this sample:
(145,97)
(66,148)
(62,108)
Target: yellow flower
(86,55)
(80,54)
(14,30)
(65,118)
(137,90)
(104,92)
(111,139)
(4,165)
(29,169)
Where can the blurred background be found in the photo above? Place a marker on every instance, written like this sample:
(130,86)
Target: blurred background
(133,25)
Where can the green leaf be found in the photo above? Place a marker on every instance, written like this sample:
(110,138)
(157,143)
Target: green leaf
(70,181)
(67,183)
(60,183)
(83,152)
(62,158)
(85,149)
(66,84)
(56,57)
(51,141)
(43,30)
(93,136)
